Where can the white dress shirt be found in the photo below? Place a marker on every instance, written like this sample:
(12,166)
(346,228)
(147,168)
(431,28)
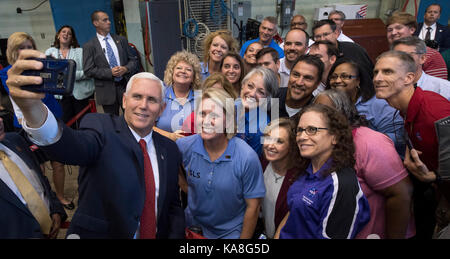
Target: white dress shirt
(343,37)
(424,30)
(28,172)
(113,46)
(434,84)
(284,73)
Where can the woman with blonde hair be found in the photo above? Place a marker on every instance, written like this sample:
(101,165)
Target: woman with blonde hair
(182,78)
(224,175)
(216,45)
(216,80)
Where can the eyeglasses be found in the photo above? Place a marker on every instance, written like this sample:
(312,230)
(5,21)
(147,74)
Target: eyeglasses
(323,35)
(310,130)
(342,77)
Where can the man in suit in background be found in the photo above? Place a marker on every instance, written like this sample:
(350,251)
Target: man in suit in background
(128,182)
(430,30)
(17,217)
(108,59)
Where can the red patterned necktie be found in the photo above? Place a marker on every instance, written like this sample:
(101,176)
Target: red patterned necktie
(148,218)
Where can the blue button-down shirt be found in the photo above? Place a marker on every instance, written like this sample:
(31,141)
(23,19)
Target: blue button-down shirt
(385,119)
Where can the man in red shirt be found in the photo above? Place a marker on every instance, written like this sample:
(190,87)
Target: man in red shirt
(394,81)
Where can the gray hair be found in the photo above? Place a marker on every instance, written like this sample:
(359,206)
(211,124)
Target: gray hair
(269,78)
(406,60)
(342,14)
(343,104)
(340,100)
(150,76)
(421,47)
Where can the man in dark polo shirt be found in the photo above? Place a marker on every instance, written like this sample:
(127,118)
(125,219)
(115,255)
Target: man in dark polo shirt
(394,81)
(305,76)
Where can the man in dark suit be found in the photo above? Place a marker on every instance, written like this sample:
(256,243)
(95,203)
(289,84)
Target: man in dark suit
(108,59)
(115,187)
(431,31)
(16,219)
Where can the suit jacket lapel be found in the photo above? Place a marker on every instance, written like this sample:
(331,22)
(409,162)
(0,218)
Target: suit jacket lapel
(5,192)
(99,49)
(161,155)
(122,128)
(119,49)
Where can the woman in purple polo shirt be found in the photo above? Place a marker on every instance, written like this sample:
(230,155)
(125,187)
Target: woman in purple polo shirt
(326,200)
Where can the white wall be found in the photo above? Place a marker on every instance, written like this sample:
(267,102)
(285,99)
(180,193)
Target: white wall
(38,23)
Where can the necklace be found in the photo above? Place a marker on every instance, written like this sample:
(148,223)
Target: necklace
(277,177)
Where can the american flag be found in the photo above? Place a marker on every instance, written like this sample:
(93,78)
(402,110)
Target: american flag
(362,12)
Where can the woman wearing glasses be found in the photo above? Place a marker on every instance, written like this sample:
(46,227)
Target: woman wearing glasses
(345,75)
(326,200)
(381,174)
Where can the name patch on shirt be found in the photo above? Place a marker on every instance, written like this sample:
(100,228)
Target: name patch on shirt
(194,174)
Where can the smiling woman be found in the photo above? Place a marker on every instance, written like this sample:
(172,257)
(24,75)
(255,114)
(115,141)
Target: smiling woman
(225,181)
(325,201)
(182,77)
(216,46)
(281,156)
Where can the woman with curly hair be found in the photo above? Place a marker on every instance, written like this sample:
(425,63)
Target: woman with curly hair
(326,200)
(216,45)
(182,78)
(380,171)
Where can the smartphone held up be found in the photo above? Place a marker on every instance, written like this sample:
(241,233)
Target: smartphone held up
(58,76)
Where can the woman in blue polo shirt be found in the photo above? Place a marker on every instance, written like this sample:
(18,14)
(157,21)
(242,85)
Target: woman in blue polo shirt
(224,175)
(182,77)
(326,200)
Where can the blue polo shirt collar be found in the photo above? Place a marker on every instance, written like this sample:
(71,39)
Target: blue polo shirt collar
(170,94)
(320,172)
(199,148)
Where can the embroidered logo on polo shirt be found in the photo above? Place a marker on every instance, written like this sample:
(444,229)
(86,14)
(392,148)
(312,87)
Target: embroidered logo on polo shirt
(194,174)
(310,195)
(312,192)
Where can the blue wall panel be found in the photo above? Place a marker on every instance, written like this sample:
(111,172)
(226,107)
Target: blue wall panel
(78,15)
(445,12)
